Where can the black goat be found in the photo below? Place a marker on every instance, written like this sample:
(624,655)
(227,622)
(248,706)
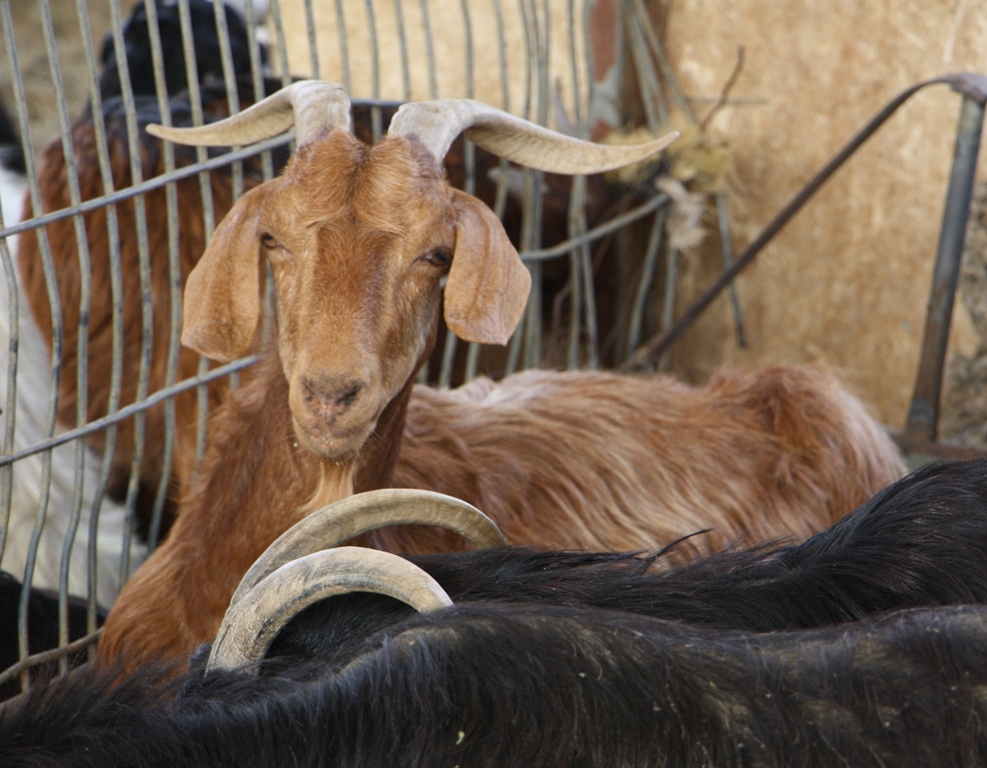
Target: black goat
(527,685)
(922,541)
(42,625)
(570,659)
(11,150)
(205,37)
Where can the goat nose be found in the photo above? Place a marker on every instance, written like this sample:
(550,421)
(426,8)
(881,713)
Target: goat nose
(330,397)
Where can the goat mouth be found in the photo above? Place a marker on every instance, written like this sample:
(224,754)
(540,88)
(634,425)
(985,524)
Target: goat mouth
(333,444)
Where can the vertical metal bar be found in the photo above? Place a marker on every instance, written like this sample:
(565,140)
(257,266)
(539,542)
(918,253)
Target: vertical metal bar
(376,126)
(403,50)
(313,42)
(448,358)
(229,81)
(469,186)
(469,149)
(85,280)
(577,204)
(257,76)
(644,25)
(577,111)
(56,316)
(208,211)
(433,84)
(589,282)
(344,50)
(726,248)
(652,98)
(282,48)
(472,361)
(575,308)
(668,306)
(500,198)
(10,405)
(540,37)
(589,285)
(644,284)
(174,282)
(143,249)
(116,297)
(529,58)
(923,414)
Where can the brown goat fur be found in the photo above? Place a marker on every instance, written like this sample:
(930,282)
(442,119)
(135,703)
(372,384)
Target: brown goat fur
(359,240)
(595,460)
(55,195)
(580,460)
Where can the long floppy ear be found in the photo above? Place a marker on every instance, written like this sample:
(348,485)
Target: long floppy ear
(222,294)
(488,284)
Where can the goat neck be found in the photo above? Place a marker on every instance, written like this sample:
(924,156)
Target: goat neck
(254,483)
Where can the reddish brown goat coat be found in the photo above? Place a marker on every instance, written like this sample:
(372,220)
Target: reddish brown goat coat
(780,452)
(594,460)
(590,460)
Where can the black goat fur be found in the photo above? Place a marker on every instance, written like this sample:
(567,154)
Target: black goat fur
(571,659)
(42,626)
(920,542)
(205,41)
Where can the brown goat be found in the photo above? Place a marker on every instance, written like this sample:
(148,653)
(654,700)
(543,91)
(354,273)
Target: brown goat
(359,240)
(55,195)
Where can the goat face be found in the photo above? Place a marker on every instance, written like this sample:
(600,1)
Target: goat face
(358,239)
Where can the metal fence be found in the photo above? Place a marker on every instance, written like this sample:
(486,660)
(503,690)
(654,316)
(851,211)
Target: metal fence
(110,331)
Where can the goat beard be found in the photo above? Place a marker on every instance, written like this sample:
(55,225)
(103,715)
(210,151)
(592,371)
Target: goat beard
(335,483)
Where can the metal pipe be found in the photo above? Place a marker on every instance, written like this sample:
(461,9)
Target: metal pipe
(973,86)
(923,414)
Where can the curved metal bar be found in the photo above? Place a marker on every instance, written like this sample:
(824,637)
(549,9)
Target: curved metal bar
(970,85)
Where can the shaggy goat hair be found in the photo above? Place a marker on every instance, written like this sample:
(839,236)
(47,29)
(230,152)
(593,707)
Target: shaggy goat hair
(921,542)
(528,685)
(580,459)
(575,659)
(42,627)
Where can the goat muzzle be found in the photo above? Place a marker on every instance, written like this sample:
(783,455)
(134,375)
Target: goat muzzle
(329,402)
(334,415)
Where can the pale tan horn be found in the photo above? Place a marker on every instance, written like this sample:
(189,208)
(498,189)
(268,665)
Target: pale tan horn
(364,512)
(437,124)
(310,105)
(249,629)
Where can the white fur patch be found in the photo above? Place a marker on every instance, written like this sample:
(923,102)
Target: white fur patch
(33,386)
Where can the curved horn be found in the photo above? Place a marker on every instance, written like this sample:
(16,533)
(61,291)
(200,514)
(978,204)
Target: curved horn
(249,629)
(310,105)
(438,123)
(364,512)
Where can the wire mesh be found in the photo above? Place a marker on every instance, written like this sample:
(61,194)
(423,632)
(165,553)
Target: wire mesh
(122,396)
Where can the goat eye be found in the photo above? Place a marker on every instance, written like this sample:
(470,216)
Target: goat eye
(269,241)
(439,257)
